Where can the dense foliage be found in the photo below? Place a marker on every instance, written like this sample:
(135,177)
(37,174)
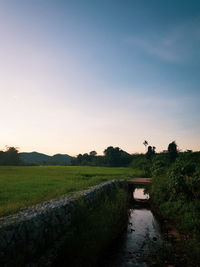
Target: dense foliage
(10,157)
(113,157)
(172,150)
(176,193)
(141,163)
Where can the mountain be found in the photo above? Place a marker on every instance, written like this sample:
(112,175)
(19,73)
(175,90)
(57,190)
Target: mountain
(43,159)
(62,158)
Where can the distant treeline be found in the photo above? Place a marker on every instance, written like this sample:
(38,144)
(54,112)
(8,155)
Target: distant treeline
(116,157)
(112,157)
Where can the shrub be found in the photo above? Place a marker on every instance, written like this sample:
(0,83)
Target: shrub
(140,162)
(176,193)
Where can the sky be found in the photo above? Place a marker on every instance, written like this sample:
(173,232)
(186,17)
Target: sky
(77,76)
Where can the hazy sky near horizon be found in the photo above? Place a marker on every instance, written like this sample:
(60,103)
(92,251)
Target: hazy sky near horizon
(77,75)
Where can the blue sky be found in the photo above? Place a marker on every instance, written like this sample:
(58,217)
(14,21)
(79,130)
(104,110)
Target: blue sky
(77,76)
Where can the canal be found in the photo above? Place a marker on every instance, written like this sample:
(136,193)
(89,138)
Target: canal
(142,241)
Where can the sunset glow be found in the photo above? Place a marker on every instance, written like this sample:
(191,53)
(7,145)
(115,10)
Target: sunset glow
(77,76)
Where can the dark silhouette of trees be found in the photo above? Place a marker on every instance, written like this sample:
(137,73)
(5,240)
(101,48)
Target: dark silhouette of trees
(93,153)
(112,156)
(10,156)
(82,159)
(2,158)
(150,152)
(115,157)
(172,150)
(90,159)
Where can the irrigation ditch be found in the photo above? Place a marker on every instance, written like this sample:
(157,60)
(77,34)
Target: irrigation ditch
(109,225)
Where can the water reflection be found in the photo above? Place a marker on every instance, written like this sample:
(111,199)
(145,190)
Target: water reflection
(142,237)
(140,194)
(142,234)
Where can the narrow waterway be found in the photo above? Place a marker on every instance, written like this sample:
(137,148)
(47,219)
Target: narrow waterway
(142,239)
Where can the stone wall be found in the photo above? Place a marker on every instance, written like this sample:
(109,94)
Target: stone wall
(34,236)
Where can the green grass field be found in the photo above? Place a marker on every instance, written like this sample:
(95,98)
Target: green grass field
(25,186)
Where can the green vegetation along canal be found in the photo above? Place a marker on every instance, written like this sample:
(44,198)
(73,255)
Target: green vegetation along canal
(141,243)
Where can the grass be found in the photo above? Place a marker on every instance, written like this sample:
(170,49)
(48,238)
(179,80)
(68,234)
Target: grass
(26,186)
(99,229)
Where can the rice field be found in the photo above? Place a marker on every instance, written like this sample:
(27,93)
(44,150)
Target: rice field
(25,186)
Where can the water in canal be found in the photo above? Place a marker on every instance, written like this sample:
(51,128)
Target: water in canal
(142,237)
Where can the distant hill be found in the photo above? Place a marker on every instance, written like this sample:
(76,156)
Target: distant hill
(43,159)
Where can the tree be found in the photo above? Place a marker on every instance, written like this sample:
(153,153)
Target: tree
(2,157)
(112,156)
(145,143)
(150,152)
(12,156)
(172,150)
(93,153)
(115,157)
(85,159)
(79,159)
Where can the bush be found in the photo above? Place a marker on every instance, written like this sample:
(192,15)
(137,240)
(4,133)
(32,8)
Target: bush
(176,193)
(184,180)
(140,162)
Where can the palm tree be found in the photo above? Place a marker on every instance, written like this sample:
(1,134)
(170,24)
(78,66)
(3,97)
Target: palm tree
(145,143)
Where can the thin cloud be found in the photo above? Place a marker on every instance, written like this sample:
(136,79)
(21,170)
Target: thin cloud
(179,44)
